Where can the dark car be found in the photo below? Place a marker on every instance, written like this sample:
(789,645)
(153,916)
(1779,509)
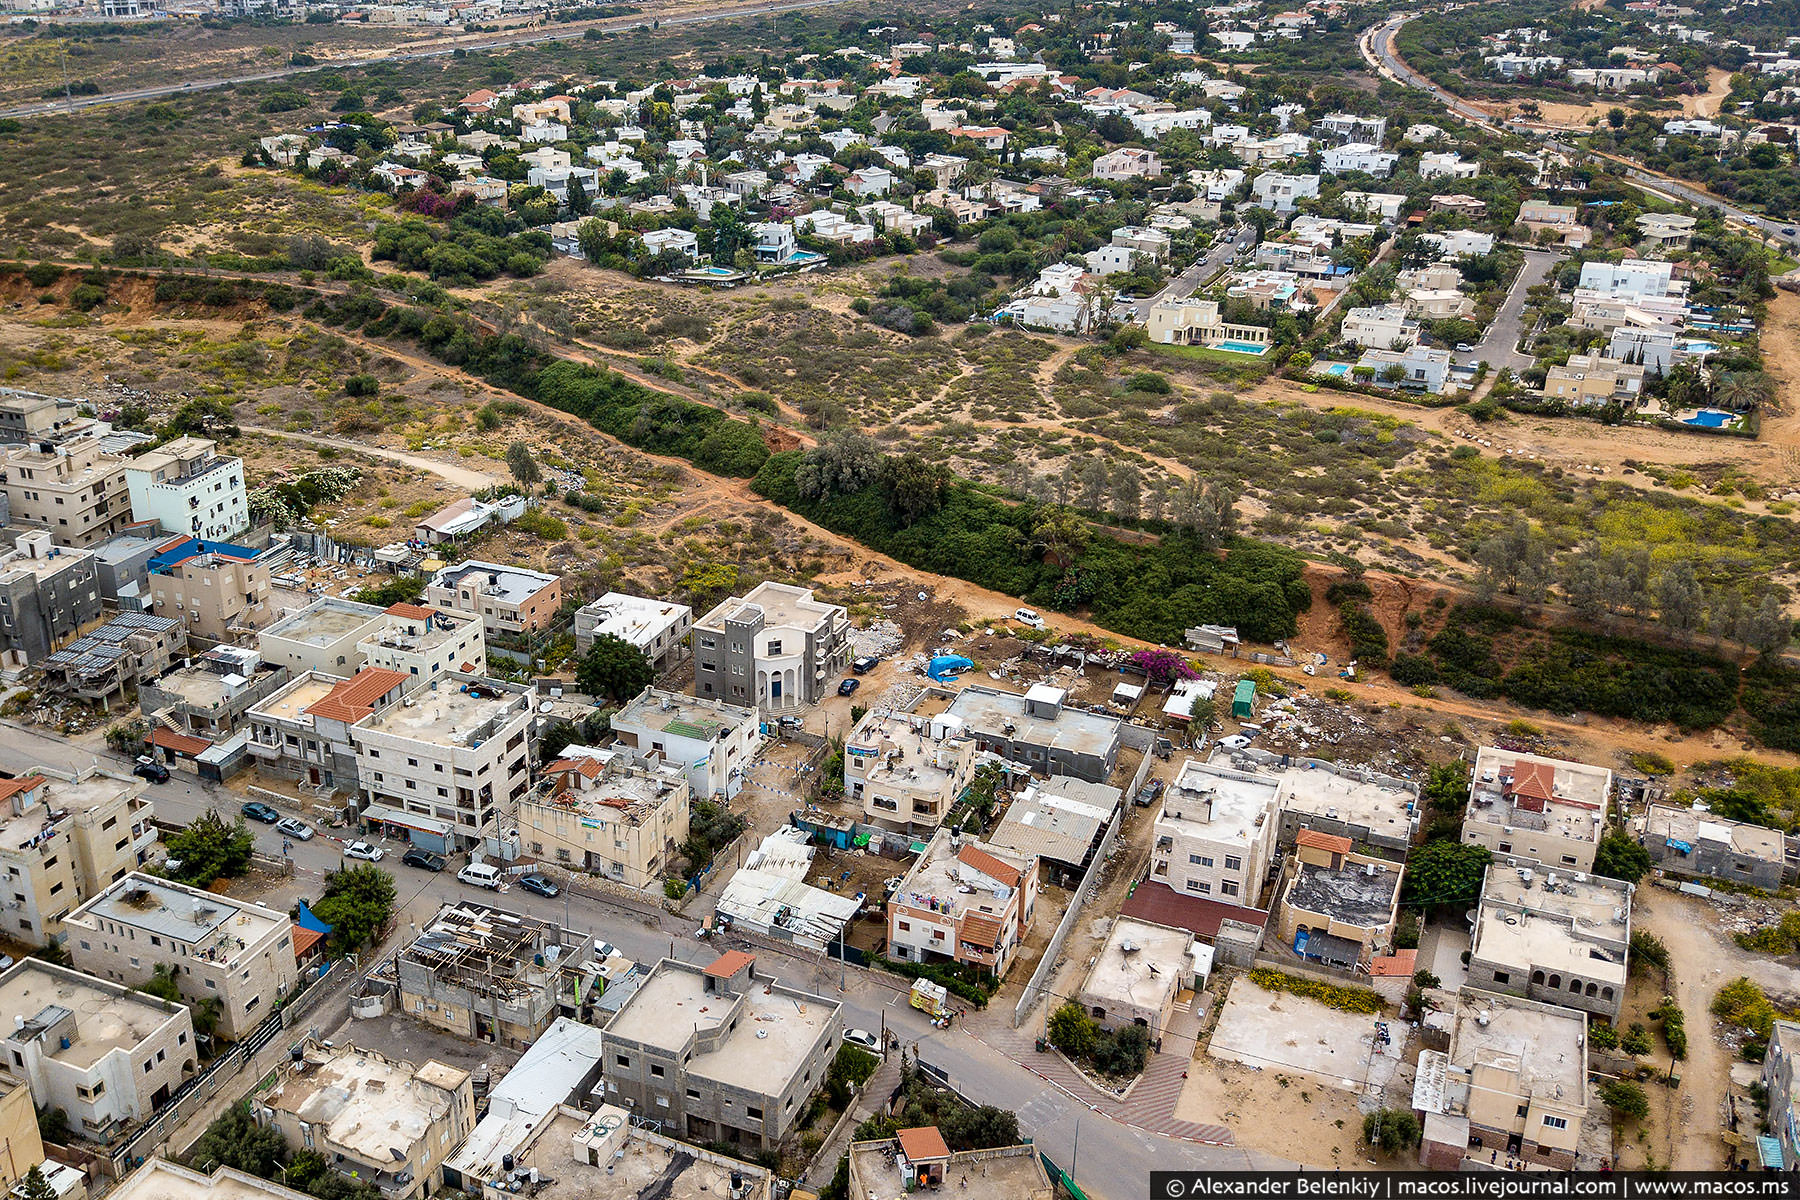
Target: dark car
(848,686)
(256,810)
(424,859)
(865,664)
(155,772)
(539,885)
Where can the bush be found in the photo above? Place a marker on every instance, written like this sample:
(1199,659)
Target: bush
(674,889)
(1742,1003)
(1604,1036)
(1636,1041)
(1626,1099)
(362,385)
(1342,997)
(963,980)
(1391,1130)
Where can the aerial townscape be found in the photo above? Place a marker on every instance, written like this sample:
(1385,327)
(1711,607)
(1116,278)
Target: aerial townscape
(746,599)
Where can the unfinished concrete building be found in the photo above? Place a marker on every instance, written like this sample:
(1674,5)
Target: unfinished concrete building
(1556,936)
(481,973)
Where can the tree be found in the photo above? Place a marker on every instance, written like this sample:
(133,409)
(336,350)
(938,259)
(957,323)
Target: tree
(34,1186)
(1444,873)
(1391,1130)
(1766,629)
(1162,667)
(209,848)
(1059,535)
(1515,561)
(161,984)
(523,466)
(401,589)
(1679,599)
(1205,511)
(578,202)
(914,487)
(1618,857)
(842,464)
(1742,391)
(1626,1099)
(1071,1030)
(357,904)
(729,232)
(53,1125)
(614,669)
(236,1140)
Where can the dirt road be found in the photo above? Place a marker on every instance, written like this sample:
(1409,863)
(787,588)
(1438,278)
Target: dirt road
(463,477)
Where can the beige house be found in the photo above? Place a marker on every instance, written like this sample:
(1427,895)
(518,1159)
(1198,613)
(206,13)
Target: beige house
(508,599)
(63,838)
(1665,231)
(1337,907)
(1215,834)
(1512,1087)
(481,973)
(609,813)
(323,636)
(74,489)
(966,901)
(376,1120)
(1138,974)
(221,595)
(160,1179)
(1549,809)
(1193,322)
(425,644)
(233,951)
(24,1148)
(1594,379)
(907,771)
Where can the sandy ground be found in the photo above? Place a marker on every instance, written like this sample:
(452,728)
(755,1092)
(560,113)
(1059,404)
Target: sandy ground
(1276,1112)
(1581,116)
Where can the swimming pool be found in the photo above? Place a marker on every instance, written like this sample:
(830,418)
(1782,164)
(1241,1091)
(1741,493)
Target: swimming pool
(1337,370)
(715,272)
(1709,418)
(1242,347)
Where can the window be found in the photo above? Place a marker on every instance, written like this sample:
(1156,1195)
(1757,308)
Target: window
(1200,859)
(906,926)
(1502,976)
(692,1094)
(656,1072)
(1551,1122)
(1195,885)
(1569,859)
(1228,888)
(1233,863)
(624,1060)
(755,1114)
(1522,1109)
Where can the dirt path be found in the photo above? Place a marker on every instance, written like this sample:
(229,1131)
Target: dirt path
(462,477)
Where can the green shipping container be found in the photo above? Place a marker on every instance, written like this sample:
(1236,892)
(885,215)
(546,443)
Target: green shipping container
(1243,701)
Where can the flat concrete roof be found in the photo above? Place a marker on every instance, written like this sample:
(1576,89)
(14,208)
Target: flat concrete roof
(1210,801)
(1544,1043)
(783,606)
(987,711)
(648,1167)
(1596,905)
(1701,828)
(940,875)
(634,618)
(162,1180)
(1576,806)
(1347,893)
(1317,793)
(896,751)
(681,715)
(324,622)
(183,914)
(1006,1177)
(291,702)
(1571,937)
(508,584)
(366,1102)
(1145,976)
(58,799)
(445,708)
(108,1017)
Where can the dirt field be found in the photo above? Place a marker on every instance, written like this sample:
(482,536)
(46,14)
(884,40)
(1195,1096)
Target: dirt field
(1277,1112)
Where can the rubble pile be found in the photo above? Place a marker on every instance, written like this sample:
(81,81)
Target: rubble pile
(879,640)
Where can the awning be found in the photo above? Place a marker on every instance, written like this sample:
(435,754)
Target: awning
(1768,1149)
(406,820)
(165,738)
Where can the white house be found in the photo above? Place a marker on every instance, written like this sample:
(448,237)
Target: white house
(775,241)
(680,241)
(1358,156)
(1437,164)
(1281,192)
(1127,163)
(1384,326)
(870,181)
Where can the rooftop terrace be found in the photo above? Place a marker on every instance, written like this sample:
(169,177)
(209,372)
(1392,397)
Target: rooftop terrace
(1531,792)
(292,701)
(648,1168)
(1545,1044)
(107,1017)
(1002,714)
(781,604)
(1127,975)
(219,926)
(1210,801)
(57,799)
(1007,1173)
(364,1103)
(452,712)
(323,623)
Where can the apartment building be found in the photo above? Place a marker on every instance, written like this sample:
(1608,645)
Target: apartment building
(187,487)
(324,636)
(1631,277)
(1348,127)
(1512,1086)
(49,595)
(375,1120)
(1337,907)
(507,599)
(1038,731)
(719,1053)
(1552,935)
(18,1127)
(233,951)
(212,696)
(1782,1085)
(73,489)
(657,627)
(424,644)
(460,748)
(1548,809)
(481,973)
(776,649)
(104,1054)
(303,731)
(965,901)
(219,590)
(64,837)
(1215,833)
(608,813)
(906,771)
(1701,845)
(1594,379)
(29,416)
(712,740)
(1359,803)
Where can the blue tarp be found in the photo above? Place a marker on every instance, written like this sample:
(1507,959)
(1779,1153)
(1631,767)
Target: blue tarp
(1684,847)
(945,666)
(1768,1150)
(310,920)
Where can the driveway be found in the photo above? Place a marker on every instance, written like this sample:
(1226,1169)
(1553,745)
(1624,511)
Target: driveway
(1184,285)
(1498,347)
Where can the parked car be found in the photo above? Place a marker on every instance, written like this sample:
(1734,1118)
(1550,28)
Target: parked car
(865,664)
(423,859)
(256,810)
(1236,741)
(149,768)
(480,875)
(793,723)
(6,962)
(848,686)
(864,1040)
(1464,348)
(539,885)
(294,827)
(1789,230)
(603,950)
(363,851)
(1028,616)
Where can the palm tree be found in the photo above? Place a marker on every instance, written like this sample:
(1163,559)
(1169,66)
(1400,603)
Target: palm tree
(1742,391)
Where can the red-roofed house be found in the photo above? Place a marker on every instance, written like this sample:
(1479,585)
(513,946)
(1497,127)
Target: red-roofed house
(302,732)
(1548,809)
(1337,907)
(965,902)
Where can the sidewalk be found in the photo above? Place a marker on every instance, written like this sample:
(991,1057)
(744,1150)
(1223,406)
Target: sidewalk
(874,1093)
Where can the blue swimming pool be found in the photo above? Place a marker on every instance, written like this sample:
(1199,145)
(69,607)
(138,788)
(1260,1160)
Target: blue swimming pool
(1243,347)
(715,272)
(1337,370)
(1710,418)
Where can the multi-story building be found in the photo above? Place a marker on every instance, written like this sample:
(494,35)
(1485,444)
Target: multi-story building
(1632,277)
(1594,379)
(1338,907)
(1358,157)
(30,416)
(49,595)
(657,627)
(775,649)
(304,730)
(73,489)
(719,1053)
(1552,935)
(1127,163)
(211,697)
(609,813)
(1038,731)
(481,973)
(1512,1085)
(220,590)
(1548,809)
(217,948)
(104,663)
(508,599)
(1215,834)
(19,1130)
(1781,1083)
(460,748)
(324,636)
(187,487)
(107,1056)
(919,1159)
(1345,127)
(63,838)
(1385,327)
(373,1119)
(1361,804)
(906,771)
(426,644)
(964,901)
(1701,845)
(1137,975)
(712,740)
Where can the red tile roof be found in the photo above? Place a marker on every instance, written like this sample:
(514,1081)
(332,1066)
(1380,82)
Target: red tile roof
(1400,963)
(412,612)
(729,964)
(1314,840)
(923,1145)
(24,783)
(590,767)
(354,699)
(304,940)
(180,743)
(1163,905)
(987,864)
(980,929)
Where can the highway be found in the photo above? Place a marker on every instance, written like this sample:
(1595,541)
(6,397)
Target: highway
(504,41)
(1377,46)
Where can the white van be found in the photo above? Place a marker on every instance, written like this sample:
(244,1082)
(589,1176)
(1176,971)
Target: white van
(1028,616)
(481,875)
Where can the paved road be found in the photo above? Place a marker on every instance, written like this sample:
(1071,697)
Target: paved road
(1377,46)
(572,33)
(1499,346)
(1185,284)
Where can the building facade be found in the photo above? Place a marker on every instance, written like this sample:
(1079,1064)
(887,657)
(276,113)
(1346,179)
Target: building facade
(964,901)
(187,487)
(509,600)
(72,489)
(48,596)
(714,741)
(657,627)
(608,813)
(906,771)
(776,649)
(66,838)
(1214,836)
